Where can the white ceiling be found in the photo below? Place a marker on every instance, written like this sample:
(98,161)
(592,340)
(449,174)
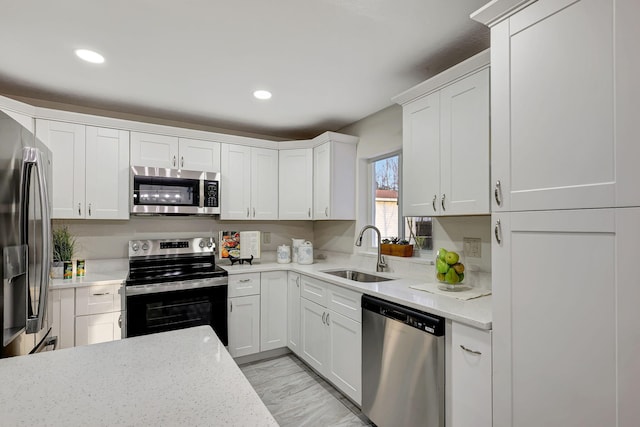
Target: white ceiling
(328,63)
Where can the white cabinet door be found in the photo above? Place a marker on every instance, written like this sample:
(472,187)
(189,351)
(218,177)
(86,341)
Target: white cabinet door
(554,93)
(421,156)
(264,183)
(293,312)
(160,151)
(321,181)
(63,314)
(67,144)
(107,173)
(199,155)
(470,377)
(314,335)
(244,325)
(295,184)
(97,328)
(464,146)
(344,365)
(556,337)
(273,310)
(235,168)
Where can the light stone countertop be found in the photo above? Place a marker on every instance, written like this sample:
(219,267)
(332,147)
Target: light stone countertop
(475,312)
(184,377)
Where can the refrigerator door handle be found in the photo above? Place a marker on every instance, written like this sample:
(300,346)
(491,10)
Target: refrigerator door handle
(32,158)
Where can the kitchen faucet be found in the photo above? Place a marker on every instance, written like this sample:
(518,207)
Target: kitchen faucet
(381,265)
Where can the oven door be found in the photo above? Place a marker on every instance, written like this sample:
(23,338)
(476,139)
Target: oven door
(148,313)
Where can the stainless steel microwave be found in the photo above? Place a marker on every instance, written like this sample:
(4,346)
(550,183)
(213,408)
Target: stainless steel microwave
(160,191)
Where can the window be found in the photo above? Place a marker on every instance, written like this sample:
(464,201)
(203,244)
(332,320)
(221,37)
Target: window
(386,211)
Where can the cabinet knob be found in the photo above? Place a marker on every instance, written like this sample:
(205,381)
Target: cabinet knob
(497,193)
(498,231)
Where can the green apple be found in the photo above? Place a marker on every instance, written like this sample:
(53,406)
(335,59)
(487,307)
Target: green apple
(441,266)
(451,258)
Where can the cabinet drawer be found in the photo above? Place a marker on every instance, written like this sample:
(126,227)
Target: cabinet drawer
(345,301)
(314,290)
(98,299)
(244,284)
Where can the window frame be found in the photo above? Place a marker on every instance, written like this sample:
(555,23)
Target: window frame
(372,244)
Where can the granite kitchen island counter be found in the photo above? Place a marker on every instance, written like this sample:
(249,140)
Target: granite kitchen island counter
(183,377)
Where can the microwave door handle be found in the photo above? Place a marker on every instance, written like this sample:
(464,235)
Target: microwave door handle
(32,158)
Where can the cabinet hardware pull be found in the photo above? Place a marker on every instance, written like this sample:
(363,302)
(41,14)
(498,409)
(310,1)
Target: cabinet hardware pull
(323,315)
(433,202)
(245,280)
(442,202)
(309,213)
(254,212)
(120,321)
(174,161)
(89,209)
(79,211)
(181,161)
(497,193)
(328,319)
(468,350)
(230,306)
(326,211)
(98,295)
(298,281)
(497,231)
(247,212)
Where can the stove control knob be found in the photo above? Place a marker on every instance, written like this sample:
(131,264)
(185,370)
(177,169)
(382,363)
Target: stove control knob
(201,244)
(145,246)
(135,247)
(209,244)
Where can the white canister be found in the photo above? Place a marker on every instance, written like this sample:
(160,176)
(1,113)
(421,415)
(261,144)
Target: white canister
(284,254)
(305,253)
(294,248)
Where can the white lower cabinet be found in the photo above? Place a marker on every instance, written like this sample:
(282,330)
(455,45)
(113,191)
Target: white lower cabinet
(470,378)
(273,310)
(97,328)
(331,342)
(244,325)
(293,312)
(63,316)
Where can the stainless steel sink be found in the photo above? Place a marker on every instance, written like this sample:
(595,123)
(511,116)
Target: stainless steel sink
(357,276)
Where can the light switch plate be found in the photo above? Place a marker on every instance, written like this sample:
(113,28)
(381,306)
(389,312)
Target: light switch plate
(471,247)
(266,237)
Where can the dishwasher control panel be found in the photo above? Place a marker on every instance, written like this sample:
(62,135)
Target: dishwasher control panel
(426,322)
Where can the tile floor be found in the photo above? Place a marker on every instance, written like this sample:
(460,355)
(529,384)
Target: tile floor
(297,396)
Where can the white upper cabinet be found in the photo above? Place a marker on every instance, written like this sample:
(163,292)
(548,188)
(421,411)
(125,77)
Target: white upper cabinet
(565,106)
(171,152)
(446,142)
(159,151)
(334,180)
(90,170)
(249,182)
(295,184)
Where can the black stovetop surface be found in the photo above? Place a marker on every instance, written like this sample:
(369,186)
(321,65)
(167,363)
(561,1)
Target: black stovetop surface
(161,269)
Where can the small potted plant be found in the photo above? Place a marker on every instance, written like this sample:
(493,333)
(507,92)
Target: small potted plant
(396,247)
(63,249)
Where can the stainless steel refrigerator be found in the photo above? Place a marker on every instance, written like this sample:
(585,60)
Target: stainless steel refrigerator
(25,240)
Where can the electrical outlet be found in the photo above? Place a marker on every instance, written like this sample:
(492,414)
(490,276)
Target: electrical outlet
(471,247)
(266,237)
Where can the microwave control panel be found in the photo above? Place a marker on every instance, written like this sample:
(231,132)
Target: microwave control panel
(211,194)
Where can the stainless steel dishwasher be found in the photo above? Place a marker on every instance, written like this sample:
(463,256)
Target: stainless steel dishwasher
(402,365)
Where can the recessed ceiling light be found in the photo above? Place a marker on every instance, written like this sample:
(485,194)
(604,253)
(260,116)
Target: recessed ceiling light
(262,94)
(90,56)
